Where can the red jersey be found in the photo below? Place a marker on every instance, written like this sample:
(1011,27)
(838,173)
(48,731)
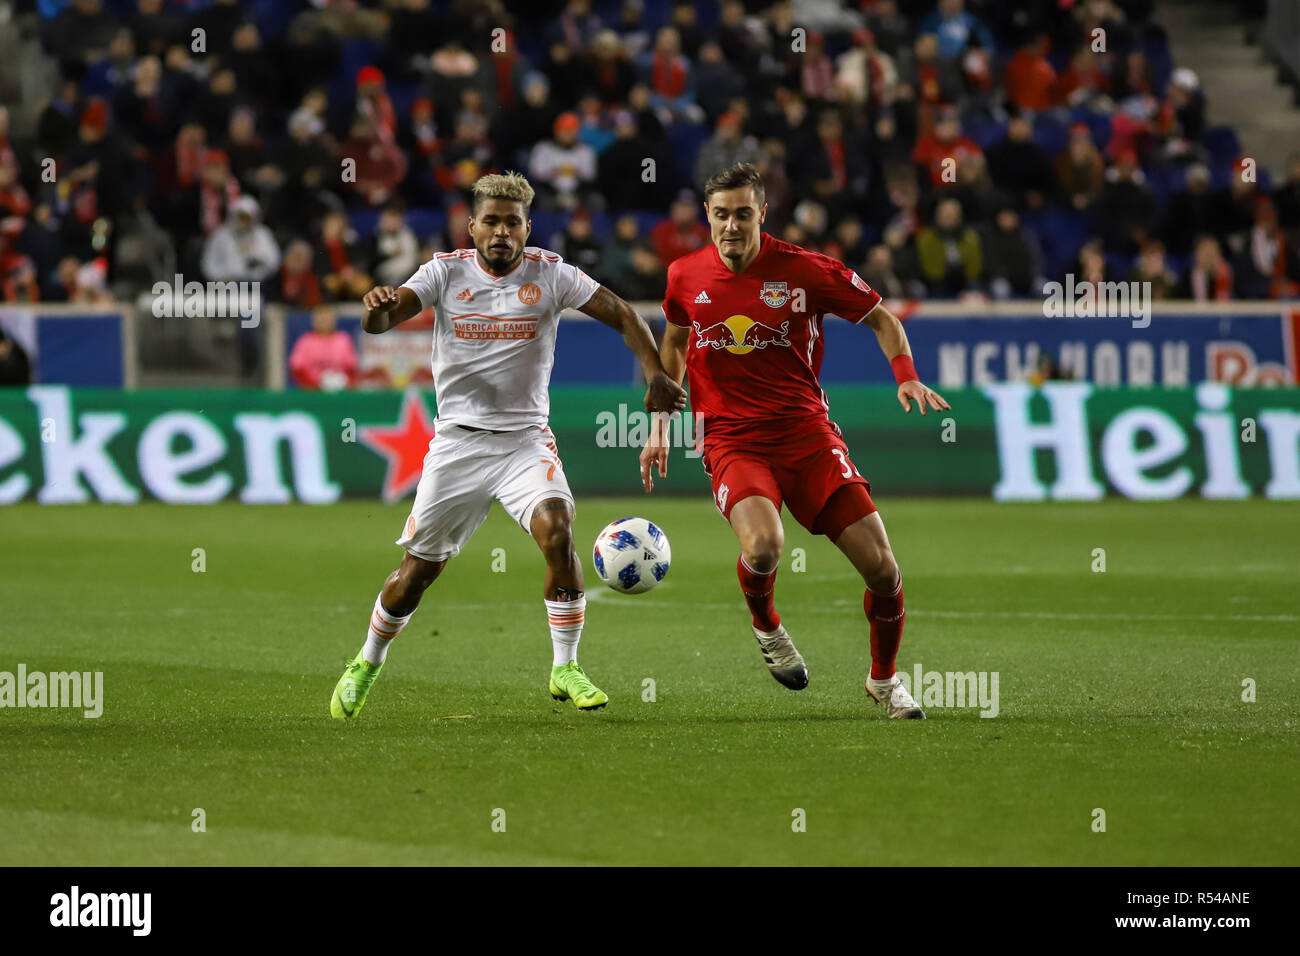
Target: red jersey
(755,347)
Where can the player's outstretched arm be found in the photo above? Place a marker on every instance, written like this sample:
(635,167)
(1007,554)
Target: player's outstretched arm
(662,393)
(893,342)
(672,353)
(386,307)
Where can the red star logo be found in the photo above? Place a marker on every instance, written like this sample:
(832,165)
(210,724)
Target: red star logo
(404,445)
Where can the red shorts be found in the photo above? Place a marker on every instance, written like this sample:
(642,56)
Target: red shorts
(804,471)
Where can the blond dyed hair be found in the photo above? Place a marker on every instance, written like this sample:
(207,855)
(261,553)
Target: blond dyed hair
(510,186)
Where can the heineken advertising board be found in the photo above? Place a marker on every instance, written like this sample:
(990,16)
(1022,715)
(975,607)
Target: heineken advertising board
(1013,442)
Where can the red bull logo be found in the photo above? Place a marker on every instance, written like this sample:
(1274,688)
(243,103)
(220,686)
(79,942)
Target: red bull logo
(740,334)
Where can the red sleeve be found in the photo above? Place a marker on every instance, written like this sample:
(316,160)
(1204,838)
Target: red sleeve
(673,310)
(839,290)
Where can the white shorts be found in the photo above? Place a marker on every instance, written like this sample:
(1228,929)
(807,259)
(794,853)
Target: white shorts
(464,470)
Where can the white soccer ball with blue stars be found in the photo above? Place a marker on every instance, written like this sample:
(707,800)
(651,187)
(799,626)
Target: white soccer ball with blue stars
(632,555)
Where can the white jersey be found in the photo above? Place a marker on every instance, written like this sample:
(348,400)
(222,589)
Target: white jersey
(494,336)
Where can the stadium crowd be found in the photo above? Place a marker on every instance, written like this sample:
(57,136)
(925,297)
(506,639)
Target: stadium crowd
(320,147)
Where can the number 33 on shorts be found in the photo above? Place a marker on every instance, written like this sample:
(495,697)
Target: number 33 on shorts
(850,469)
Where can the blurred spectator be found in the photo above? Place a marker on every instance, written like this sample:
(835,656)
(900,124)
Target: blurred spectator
(1079,168)
(380,163)
(938,152)
(1084,84)
(623,173)
(863,74)
(18,282)
(1090,264)
(576,26)
(1272,268)
(1022,168)
(561,168)
(81,33)
(631,28)
(578,243)
(1210,277)
(14,200)
(296,283)
(612,75)
(243,146)
(1192,211)
(1181,120)
(979,198)
(1237,208)
(955,27)
(848,242)
(716,83)
(647,279)
(1152,268)
(1012,260)
(153,28)
(668,74)
(949,252)
(373,102)
(835,167)
(15,369)
(324,359)
(880,275)
(902,257)
(927,79)
(243,249)
(1286,197)
(727,147)
(1126,208)
(616,254)
(816,71)
(340,260)
(396,251)
(681,232)
(685,23)
(889,27)
(1030,81)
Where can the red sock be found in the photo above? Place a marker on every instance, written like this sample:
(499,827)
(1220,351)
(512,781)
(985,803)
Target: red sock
(758,590)
(885,614)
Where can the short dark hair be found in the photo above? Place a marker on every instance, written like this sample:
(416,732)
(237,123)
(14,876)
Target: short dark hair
(737,177)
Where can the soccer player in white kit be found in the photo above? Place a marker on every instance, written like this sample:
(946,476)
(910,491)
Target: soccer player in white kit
(496,309)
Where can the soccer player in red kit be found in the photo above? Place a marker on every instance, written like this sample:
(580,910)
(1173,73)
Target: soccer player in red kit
(745,319)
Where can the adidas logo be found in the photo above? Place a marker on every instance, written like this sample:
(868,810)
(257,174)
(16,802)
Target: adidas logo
(703,299)
(465,295)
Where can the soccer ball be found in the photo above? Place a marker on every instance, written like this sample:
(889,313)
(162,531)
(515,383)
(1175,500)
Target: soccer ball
(632,555)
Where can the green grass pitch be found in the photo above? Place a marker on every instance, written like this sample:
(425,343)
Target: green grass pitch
(1119,690)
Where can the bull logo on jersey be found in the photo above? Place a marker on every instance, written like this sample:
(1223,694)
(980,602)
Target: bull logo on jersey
(740,334)
(529,293)
(774,294)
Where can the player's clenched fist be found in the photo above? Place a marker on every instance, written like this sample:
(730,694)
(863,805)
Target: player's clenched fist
(662,394)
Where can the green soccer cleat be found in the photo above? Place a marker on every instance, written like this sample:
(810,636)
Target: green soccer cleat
(351,690)
(568,682)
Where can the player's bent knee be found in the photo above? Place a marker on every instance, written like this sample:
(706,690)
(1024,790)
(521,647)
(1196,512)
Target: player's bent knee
(552,527)
(762,552)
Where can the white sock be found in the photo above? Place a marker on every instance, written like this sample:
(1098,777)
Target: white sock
(384,626)
(565,618)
